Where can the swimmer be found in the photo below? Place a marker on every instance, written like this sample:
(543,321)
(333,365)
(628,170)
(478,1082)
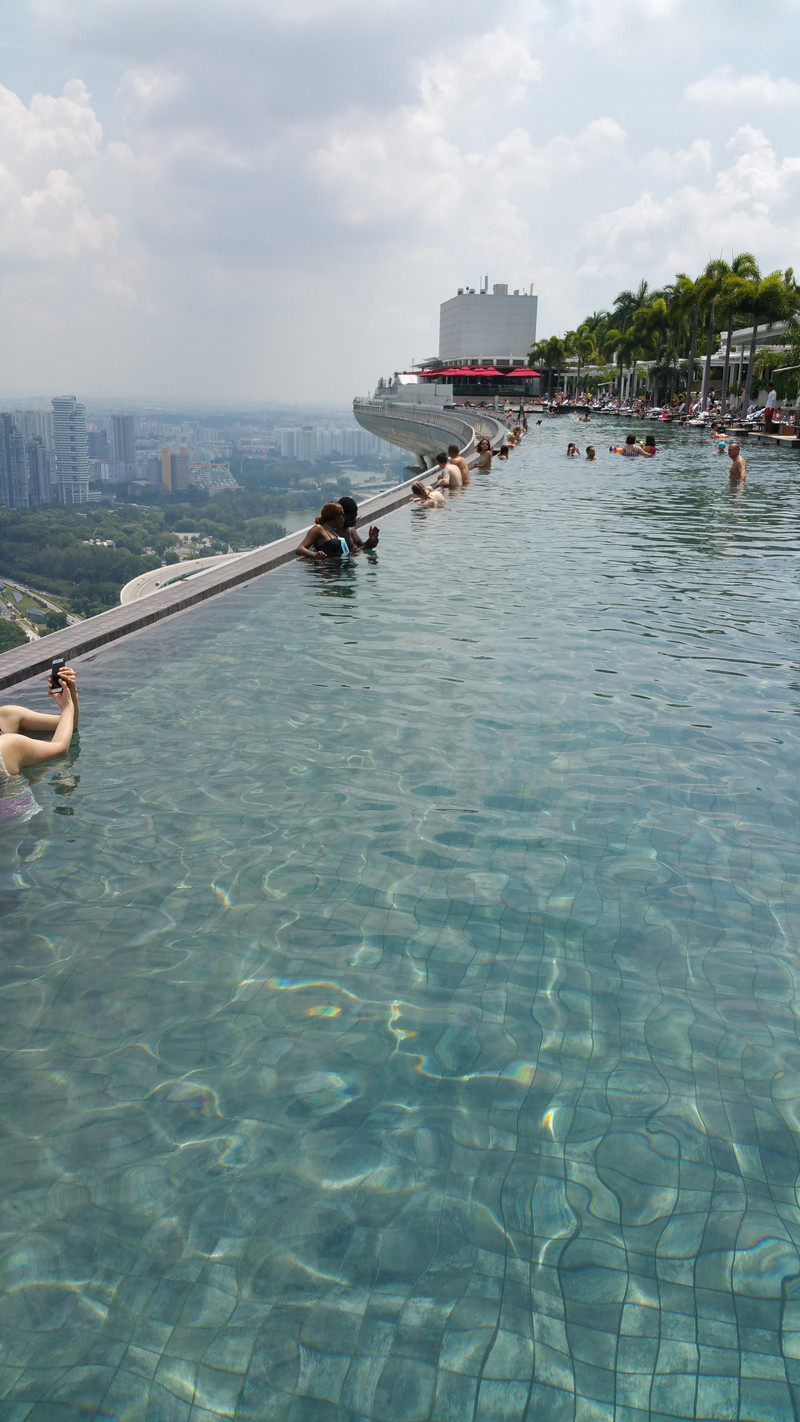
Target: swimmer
(18,750)
(326,538)
(503,452)
(572,449)
(630,447)
(426,497)
(738,470)
(355,542)
(590,454)
(449,476)
(538,422)
(459,461)
(649,446)
(484,455)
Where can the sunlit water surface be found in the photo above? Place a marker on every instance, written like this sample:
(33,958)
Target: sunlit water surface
(400,986)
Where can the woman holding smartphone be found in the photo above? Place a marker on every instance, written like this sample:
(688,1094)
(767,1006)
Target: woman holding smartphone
(18,750)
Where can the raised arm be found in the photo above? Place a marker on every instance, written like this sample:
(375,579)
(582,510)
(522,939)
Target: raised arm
(308,548)
(20,718)
(19,751)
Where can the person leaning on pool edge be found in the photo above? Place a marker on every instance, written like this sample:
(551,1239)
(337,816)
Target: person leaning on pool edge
(18,750)
(325,539)
(356,543)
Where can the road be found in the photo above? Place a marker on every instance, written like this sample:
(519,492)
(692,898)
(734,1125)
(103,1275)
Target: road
(42,597)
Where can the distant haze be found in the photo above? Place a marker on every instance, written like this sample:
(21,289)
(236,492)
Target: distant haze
(254,201)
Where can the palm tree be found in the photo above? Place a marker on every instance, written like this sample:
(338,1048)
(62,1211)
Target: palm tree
(650,326)
(743,269)
(710,283)
(767,301)
(581,344)
(551,354)
(627,304)
(620,347)
(687,297)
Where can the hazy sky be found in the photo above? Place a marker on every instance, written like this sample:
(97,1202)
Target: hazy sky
(267,200)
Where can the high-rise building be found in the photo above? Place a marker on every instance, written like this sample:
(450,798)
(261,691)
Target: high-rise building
(181,469)
(97,445)
(122,430)
(36,424)
(175,468)
(72,455)
(285,439)
(305,444)
(13,465)
(41,464)
(480,326)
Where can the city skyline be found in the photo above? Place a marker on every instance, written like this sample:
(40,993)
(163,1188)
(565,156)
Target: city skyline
(254,204)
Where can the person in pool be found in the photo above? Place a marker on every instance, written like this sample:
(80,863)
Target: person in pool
(502,452)
(355,542)
(18,750)
(484,452)
(572,450)
(630,447)
(460,462)
(590,455)
(649,446)
(326,539)
(738,469)
(426,497)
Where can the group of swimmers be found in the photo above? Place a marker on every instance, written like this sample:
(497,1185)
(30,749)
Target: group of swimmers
(334,533)
(453,469)
(573,451)
(634,447)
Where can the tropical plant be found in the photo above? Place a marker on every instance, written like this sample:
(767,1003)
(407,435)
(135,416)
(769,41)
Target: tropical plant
(581,344)
(626,304)
(687,297)
(550,353)
(767,301)
(733,288)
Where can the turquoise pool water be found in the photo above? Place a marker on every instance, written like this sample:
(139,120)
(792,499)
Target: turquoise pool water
(400,985)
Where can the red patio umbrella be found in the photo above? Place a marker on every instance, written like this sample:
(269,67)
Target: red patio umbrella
(524,372)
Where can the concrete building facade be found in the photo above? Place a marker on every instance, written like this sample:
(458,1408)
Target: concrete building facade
(72,452)
(13,465)
(487,326)
(175,468)
(122,439)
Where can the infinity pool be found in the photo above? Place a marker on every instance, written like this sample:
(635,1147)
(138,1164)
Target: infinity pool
(400,984)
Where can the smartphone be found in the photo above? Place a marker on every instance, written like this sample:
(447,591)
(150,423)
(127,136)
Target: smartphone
(55,667)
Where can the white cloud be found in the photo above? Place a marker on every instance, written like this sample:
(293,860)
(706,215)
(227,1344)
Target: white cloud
(49,147)
(752,205)
(671,167)
(271,178)
(723,88)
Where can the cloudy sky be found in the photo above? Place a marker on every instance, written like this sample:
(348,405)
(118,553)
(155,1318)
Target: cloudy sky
(268,199)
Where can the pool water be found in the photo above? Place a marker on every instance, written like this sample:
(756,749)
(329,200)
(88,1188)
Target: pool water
(400,981)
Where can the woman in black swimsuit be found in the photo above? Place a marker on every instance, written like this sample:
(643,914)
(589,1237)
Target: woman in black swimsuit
(326,538)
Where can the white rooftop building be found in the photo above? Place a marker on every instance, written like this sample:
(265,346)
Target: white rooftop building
(491,327)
